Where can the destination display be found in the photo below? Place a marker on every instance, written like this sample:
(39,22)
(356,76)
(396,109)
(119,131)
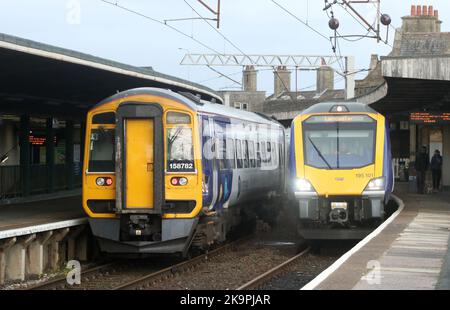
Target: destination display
(430,118)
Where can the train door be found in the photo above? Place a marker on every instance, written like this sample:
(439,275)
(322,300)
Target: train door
(224,170)
(140,164)
(209,171)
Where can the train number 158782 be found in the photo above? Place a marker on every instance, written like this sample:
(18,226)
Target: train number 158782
(180,166)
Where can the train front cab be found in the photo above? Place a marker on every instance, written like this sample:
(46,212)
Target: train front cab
(142,180)
(342,173)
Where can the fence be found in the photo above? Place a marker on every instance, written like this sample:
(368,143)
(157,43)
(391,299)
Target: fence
(11,181)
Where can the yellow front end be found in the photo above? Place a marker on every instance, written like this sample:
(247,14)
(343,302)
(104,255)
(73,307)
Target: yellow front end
(329,194)
(122,201)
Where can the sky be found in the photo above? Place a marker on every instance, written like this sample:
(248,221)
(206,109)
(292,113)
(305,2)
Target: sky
(253,26)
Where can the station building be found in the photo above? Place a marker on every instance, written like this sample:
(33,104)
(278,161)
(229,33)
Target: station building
(411,86)
(285,103)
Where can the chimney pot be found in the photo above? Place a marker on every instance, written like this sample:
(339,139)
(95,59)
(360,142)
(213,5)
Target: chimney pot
(419,10)
(413,10)
(430,11)
(436,14)
(424,10)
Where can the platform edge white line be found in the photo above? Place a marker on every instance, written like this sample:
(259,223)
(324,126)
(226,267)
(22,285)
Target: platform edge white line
(41,228)
(327,272)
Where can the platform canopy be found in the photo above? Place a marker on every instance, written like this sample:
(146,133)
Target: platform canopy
(407,95)
(415,75)
(40,79)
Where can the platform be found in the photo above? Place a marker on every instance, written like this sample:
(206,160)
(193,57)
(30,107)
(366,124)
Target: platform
(40,234)
(33,213)
(409,251)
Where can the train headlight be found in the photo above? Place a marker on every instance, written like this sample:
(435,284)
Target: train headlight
(103,181)
(376,184)
(303,185)
(100,181)
(177,181)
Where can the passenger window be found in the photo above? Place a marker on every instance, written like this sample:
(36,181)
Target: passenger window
(251,150)
(274,154)
(258,155)
(280,154)
(221,153)
(246,154)
(263,152)
(269,153)
(239,154)
(230,153)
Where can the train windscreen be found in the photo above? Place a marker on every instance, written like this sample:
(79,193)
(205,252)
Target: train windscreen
(339,142)
(102,150)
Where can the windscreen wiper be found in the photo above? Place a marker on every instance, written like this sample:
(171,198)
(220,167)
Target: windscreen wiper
(320,154)
(175,135)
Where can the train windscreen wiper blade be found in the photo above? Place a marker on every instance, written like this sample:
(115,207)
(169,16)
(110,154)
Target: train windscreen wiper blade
(320,153)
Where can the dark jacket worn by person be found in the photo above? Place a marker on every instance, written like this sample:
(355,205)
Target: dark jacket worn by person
(422,162)
(436,162)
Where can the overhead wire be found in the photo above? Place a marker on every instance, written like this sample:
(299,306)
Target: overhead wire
(214,28)
(300,20)
(219,77)
(162,23)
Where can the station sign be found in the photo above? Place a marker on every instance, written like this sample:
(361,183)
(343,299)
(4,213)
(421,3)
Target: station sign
(430,118)
(38,140)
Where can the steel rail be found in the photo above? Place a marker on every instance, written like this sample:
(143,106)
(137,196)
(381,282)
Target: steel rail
(166,273)
(265,277)
(61,282)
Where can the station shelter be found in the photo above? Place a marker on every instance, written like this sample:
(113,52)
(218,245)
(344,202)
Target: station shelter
(45,93)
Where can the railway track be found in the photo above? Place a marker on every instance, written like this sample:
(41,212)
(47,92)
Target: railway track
(144,275)
(103,276)
(270,274)
(131,274)
(166,273)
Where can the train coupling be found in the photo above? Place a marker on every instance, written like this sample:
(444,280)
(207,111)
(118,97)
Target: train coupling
(143,226)
(339,212)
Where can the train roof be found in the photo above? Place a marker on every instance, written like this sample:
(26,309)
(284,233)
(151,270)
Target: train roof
(326,107)
(195,104)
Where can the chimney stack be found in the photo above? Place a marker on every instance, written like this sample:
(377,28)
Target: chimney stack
(282,80)
(249,79)
(423,18)
(325,79)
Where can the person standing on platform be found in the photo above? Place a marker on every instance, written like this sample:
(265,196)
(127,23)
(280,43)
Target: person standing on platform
(436,170)
(421,166)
